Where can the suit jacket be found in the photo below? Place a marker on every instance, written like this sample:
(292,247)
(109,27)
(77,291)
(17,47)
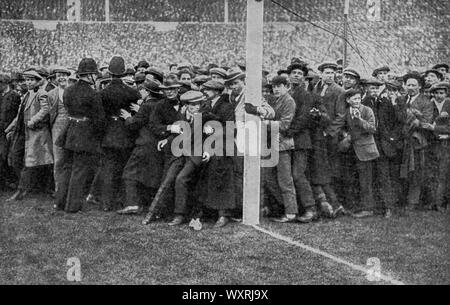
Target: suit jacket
(118,96)
(330,98)
(9,105)
(414,134)
(300,126)
(81,101)
(141,122)
(361,132)
(442,122)
(284,108)
(388,134)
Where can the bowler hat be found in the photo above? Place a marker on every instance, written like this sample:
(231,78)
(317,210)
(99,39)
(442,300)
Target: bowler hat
(200,79)
(117,66)
(351,92)
(279,72)
(151,86)
(192,97)
(87,66)
(158,75)
(438,73)
(415,75)
(438,66)
(394,84)
(130,71)
(142,64)
(58,69)
(372,81)
(299,66)
(378,70)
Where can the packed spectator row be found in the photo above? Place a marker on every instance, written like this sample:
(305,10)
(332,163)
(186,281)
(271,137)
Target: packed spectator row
(370,45)
(213,10)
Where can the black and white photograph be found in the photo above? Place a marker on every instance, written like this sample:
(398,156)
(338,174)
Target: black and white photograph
(224,146)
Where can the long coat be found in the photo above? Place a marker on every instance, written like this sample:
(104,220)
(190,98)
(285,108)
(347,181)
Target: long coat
(32,121)
(146,163)
(216,186)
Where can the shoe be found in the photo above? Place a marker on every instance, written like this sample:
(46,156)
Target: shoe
(221,222)
(285,218)
(363,214)
(195,224)
(130,210)
(19,195)
(340,211)
(178,220)
(387,213)
(308,216)
(326,209)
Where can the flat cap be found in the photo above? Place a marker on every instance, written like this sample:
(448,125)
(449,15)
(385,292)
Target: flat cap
(219,71)
(329,65)
(438,73)
(352,72)
(234,74)
(32,74)
(214,85)
(394,84)
(156,74)
(442,65)
(201,79)
(170,84)
(192,97)
(440,85)
(372,81)
(378,70)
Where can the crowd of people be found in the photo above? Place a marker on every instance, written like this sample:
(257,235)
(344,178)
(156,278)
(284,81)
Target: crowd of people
(371,45)
(213,10)
(108,136)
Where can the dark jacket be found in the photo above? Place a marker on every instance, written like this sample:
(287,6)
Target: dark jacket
(300,125)
(9,105)
(118,96)
(284,108)
(441,121)
(83,102)
(140,122)
(388,134)
(330,98)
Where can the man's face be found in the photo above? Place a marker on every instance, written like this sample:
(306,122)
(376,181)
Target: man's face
(354,101)
(382,76)
(31,82)
(412,86)
(348,81)
(328,76)
(171,93)
(279,90)
(174,69)
(431,78)
(61,79)
(144,93)
(440,94)
(185,77)
(442,70)
(373,90)
(141,69)
(193,108)
(218,78)
(296,76)
(236,86)
(210,94)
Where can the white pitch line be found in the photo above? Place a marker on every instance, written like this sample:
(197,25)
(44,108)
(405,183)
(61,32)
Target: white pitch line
(365,270)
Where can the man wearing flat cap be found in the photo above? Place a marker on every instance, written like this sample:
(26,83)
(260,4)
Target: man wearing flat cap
(31,139)
(58,119)
(299,131)
(143,171)
(387,139)
(163,126)
(118,140)
(217,184)
(9,105)
(382,75)
(443,68)
(413,110)
(218,74)
(438,152)
(432,77)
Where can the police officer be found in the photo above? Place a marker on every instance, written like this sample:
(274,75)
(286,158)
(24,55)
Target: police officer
(82,138)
